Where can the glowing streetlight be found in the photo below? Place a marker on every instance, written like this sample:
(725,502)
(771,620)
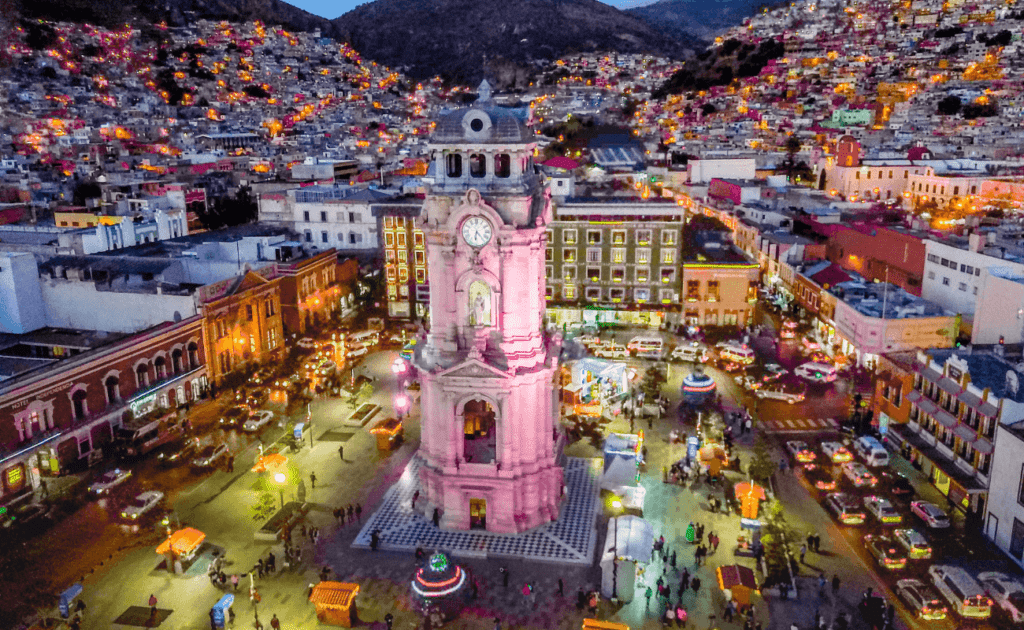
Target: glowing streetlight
(280,478)
(401,404)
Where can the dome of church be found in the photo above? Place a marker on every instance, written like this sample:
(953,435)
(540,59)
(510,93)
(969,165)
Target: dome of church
(484,124)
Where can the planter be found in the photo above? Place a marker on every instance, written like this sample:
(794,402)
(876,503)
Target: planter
(283,520)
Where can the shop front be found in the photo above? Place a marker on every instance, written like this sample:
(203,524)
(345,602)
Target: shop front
(170,394)
(961,489)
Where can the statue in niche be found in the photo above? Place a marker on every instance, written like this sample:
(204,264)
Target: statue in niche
(479,304)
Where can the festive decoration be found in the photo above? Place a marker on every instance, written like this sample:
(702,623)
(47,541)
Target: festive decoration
(440,587)
(691,533)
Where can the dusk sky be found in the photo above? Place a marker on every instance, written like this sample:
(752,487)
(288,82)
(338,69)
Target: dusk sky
(331,9)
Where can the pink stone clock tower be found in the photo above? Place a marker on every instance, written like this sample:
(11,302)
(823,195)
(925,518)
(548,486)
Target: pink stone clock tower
(489,451)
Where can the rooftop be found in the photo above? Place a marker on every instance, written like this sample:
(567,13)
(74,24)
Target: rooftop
(988,370)
(883,300)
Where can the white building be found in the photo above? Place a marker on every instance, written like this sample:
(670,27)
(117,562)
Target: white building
(326,216)
(999,315)
(704,170)
(952,274)
(1004,521)
(21,303)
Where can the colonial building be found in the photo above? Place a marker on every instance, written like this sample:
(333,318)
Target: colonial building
(326,216)
(310,291)
(405,258)
(1004,522)
(67,393)
(719,283)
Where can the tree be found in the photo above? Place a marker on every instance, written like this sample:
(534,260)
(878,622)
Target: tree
(950,106)
(792,148)
(762,465)
(651,384)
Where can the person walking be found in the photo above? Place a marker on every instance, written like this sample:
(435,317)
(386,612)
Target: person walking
(649,594)
(271,563)
(312,480)
(822,582)
(359,513)
(782,465)
(436,518)
(213,619)
(684,581)
(497,624)
(341,452)
(389,619)
(275,623)
(730,610)
(803,552)
(835,585)
(714,542)
(672,560)
(415,498)
(561,588)
(351,512)
(504,576)
(152,606)
(748,425)
(234,581)
(817,543)
(695,584)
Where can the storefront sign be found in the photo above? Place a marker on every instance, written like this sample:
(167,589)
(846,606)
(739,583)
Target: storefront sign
(44,394)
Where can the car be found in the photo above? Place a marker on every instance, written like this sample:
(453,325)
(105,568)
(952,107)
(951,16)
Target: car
(261,376)
(820,477)
(787,333)
(209,456)
(174,453)
(931,514)
(612,351)
(846,507)
(801,452)
(108,481)
(353,351)
(836,452)
(1006,592)
(897,484)
(747,382)
(142,504)
(780,394)
(36,515)
(257,398)
(235,416)
(306,343)
(882,510)
(922,599)
(327,368)
(859,475)
(689,353)
(885,551)
(258,420)
(773,372)
(914,542)
(731,366)
(588,340)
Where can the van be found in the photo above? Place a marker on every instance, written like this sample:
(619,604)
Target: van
(139,436)
(742,354)
(364,338)
(871,451)
(817,372)
(961,591)
(689,354)
(646,347)
(611,351)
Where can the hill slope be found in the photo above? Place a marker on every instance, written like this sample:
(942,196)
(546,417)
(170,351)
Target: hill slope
(455,38)
(701,19)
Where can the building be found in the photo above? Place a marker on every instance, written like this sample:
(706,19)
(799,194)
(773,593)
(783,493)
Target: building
(490,448)
(310,291)
(702,171)
(405,258)
(894,377)
(613,261)
(719,283)
(880,254)
(1004,522)
(846,175)
(243,322)
(952,271)
(326,216)
(66,392)
(21,303)
(959,398)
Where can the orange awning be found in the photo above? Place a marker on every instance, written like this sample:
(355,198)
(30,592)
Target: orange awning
(271,460)
(745,489)
(735,575)
(390,426)
(710,452)
(182,541)
(334,594)
(596,624)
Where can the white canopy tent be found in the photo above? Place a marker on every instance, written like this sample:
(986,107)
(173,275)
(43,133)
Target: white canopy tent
(630,540)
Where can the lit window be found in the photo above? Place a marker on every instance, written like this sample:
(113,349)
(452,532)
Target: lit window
(389,222)
(569,237)
(668,237)
(643,274)
(569,255)
(618,237)
(618,255)
(569,273)
(593,237)
(641,295)
(593,293)
(618,274)
(420,258)
(421,276)
(417,239)
(668,274)
(569,291)
(477,165)
(643,256)
(668,256)
(643,237)
(617,295)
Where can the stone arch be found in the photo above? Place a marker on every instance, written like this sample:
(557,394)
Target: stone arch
(192,350)
(79,398)
(177,359)
(142,376)
(479,426)
(112,387)
(160,366)
(470,312)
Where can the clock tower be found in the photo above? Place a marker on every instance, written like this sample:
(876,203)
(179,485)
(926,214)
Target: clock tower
(489,448)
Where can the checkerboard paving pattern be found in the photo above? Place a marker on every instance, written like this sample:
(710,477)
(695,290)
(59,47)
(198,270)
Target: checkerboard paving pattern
(570,539)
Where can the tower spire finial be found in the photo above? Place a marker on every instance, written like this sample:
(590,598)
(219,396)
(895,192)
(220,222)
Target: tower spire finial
(484,92)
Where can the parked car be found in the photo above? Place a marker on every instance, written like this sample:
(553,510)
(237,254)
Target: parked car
(773,372)
(354,351)
(859,475)
(35,515)
(142,504)
(177,452)
(931,514)
(234,416)
(914,542)
(780,394)
(306,343)
(846,507)
(801,452)
(258,420)
(689,353)
(588,341)
(817,372)
(885,551)
(108,481)
(836,452)
(896,483)
(257,398)
(1006,592)
(961,591)
(820,477)
(261,376)
(747,382)
(210,455)
(882,510)
(612,351)
(922,599)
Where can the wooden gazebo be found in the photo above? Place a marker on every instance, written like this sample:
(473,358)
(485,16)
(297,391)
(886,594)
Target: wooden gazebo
(336,603)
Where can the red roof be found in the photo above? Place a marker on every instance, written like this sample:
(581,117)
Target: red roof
(560,161)
(831,276)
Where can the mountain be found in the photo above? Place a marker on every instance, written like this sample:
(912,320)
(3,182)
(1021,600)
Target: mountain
(700,19)
(459,38)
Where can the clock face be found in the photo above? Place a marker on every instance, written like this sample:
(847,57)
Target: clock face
(476,231)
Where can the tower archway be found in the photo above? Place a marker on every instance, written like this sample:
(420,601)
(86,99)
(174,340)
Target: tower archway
(479,431)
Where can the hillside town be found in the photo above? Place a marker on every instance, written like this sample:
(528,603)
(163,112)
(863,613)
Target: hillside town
(227,240)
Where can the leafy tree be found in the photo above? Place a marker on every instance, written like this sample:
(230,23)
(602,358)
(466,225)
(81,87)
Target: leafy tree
(762,465)
(651,384)
(950,106)
(776,536)
(978,110)
(708,109)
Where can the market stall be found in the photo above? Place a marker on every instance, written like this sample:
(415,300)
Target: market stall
(336,603)
(630,542)
(737,582)
(595,624)
(621,474)
(713,457)
(389,433)
(219,613)
(750,495)
(594,384)
(180,547)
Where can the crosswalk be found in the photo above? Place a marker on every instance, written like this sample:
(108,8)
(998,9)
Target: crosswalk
(800,425)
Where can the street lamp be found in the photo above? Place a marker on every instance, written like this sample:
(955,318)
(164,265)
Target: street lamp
(280,478)
(401,403)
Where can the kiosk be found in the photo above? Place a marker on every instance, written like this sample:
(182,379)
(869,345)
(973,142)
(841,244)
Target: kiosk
(630,541)
(335,603)
(180,547)
(738,581)
(389,433)
(219,612)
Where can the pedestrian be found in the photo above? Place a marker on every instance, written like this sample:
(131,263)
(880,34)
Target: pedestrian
(695,584)
(649,594)
(782,465)
(234,581)
(504,576)
(803,552)
(341,516)
(817,543)
(730,610)
(359,512)
(231,616)
(275,623)
(213,619)
(415,497)
(497,622)
(581,599)
(259,568)
(436,518)
(389,619)
(561,588)
(660,582)
(810,541)
(341,452)
(325,573)
(672,560)
(271,562)
(680,614)
(351,512)
(337,515)
(821,584)
(374,540)
(714,542)
(684,581)
(747,425)
(312,480)
(835,585)
(231,463)
(152,606)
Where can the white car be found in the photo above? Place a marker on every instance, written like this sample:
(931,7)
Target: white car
(612,351)
(588,341)
(801,452)
(692,353)
(1006,592)
(779,394)
(883,510)
(210,455)
(109,480)
(258,420)
(142,504)
(306,343)
(747,382)
(835,451)
(859,475)
(355,350)
(914,542)
(931,514)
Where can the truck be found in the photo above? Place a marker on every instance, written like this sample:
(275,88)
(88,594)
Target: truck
(138,436)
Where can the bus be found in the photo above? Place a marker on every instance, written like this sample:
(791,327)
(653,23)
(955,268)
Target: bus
(139,436)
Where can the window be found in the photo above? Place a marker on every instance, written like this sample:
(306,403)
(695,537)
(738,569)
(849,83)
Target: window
(693,290)
(970,270)
(668,256)
(569,255)
(944,262)
(975,290)
(643,274)
(963,287)
(593,293)
(752,287)
(421,276)
(403,256)
(594,255)
(477,165)
(248,312)
(569,273)
(355,239)
(400,239)
(641,295)
(305,215)
(549,293)
(549,254)
(618,255)
(931,275)
(419,257)
(454,165)
(354,217)
(618,274)
(569,237)
(643,256)
(594,274)
(963,267)
(270,308)
(323,217)
(668,274)
(417,239)
(1017,539)
(618,237)
(643,237)
(665,295)
(549,272)
(977,271)
(309,236)
(945,282)
(502,165)
(668,237)
(933,258)
(389,222)
(271,338)
(617,295)
(713,291)
(403,274)
(1020,488)
(403,291)
(323,237)
(389,239)
(569,292)
(389,255)
(593,237)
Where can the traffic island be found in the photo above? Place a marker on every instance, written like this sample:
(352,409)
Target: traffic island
(282,521)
